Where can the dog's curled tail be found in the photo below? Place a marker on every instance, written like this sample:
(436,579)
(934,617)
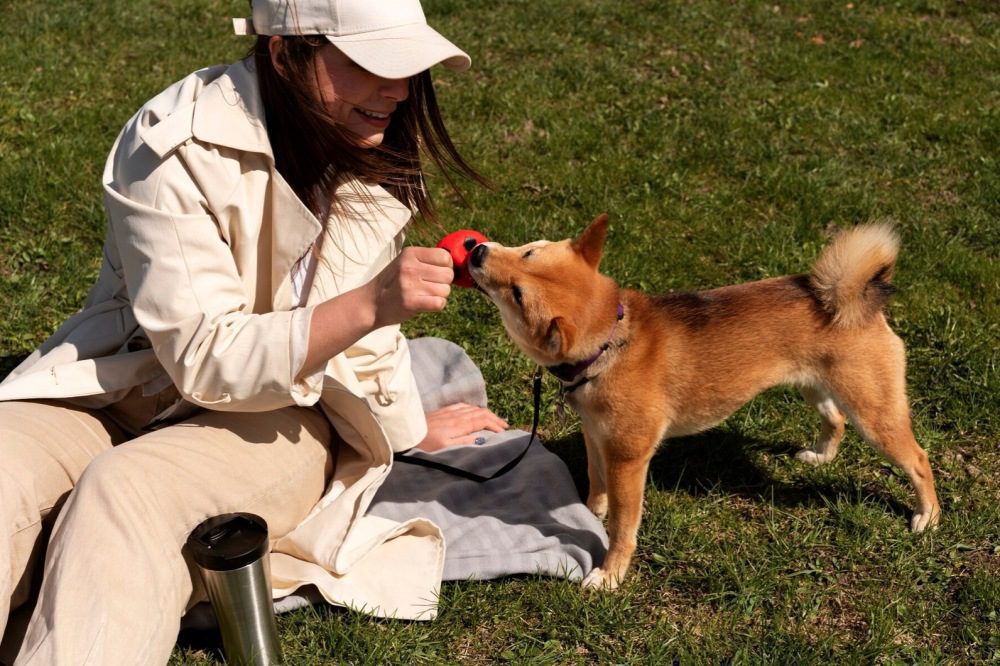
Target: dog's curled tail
(852,276)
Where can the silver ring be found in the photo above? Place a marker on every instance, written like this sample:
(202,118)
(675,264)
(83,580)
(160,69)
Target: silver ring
(480,441)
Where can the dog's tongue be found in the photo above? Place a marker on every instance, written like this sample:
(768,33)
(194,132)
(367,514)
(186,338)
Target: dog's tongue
(459,244)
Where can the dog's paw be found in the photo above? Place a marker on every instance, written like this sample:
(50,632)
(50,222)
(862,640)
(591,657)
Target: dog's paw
(813,458)
(921,521)
(598,505)
(598,579)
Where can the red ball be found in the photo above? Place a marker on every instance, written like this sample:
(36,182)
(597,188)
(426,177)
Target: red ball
(459,244)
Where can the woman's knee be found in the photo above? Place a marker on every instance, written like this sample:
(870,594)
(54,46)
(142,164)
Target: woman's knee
(113,481)
(128,493)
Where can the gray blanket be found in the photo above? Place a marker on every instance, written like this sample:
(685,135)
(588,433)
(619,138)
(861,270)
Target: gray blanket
(528,521)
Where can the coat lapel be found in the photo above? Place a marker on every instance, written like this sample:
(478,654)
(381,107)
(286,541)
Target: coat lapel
(294,229)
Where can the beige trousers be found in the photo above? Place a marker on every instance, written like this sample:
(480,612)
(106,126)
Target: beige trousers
(93,523)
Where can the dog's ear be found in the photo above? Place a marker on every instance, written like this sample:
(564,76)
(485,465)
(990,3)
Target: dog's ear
(590,244)
(559,337)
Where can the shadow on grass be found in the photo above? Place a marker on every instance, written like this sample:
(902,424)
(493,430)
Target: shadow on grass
(8,363)
(206,643)
(718,460)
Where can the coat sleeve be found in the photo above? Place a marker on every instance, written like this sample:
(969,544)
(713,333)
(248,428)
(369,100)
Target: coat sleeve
(380,363)
(188,295)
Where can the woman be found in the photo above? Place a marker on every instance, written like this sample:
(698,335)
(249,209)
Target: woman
(240,350)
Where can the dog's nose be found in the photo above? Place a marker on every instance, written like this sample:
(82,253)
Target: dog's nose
(478,255)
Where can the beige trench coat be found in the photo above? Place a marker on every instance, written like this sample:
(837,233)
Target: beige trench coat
(194,305)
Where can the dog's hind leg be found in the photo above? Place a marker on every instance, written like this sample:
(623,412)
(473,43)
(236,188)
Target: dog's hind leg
(873,394)
(892,436)
(831,427)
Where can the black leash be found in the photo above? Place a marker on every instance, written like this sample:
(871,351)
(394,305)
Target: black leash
(536,390)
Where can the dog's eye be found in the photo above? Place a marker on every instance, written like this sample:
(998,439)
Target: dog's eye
(515,291)
(527,254)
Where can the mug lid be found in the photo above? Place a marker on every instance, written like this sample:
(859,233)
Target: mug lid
(229,541)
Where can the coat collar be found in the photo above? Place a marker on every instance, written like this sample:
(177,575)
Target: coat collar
(229,112)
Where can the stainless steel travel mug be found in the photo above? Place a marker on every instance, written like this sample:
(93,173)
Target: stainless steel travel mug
(231,553)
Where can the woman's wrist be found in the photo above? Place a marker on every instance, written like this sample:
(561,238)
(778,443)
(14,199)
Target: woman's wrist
(338,323)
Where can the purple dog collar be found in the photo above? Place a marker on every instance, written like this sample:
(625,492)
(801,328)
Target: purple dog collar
(567,372)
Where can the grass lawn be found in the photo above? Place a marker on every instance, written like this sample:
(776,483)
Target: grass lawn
(727,140)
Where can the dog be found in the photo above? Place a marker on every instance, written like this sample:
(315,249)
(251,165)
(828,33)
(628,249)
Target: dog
(639,369)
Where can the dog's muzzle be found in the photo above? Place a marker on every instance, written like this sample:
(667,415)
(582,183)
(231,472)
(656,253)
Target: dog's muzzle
(478,255)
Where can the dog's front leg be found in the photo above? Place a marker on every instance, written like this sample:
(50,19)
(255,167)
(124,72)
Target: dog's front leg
(626,481)
(597,494)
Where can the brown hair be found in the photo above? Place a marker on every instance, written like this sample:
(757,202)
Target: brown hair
(313,153)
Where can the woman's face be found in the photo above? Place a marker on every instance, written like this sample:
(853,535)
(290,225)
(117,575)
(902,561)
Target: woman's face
(360,100)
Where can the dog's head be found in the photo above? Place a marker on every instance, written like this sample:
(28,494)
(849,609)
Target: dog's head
(552,300)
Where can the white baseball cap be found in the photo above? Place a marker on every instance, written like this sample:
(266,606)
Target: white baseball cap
(389,38)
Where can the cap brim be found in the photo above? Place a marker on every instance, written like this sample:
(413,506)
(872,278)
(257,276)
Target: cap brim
(401,52)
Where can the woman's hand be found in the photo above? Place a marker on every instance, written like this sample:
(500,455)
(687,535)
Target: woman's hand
(418,280)
(456,424)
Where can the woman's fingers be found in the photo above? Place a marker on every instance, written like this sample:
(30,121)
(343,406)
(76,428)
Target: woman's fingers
(457,424)
(425,278)
(430,265)
(418,280)
(463,419)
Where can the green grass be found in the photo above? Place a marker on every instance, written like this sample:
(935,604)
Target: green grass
(726,140)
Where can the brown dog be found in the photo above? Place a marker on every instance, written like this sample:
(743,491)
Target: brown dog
(638,369)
